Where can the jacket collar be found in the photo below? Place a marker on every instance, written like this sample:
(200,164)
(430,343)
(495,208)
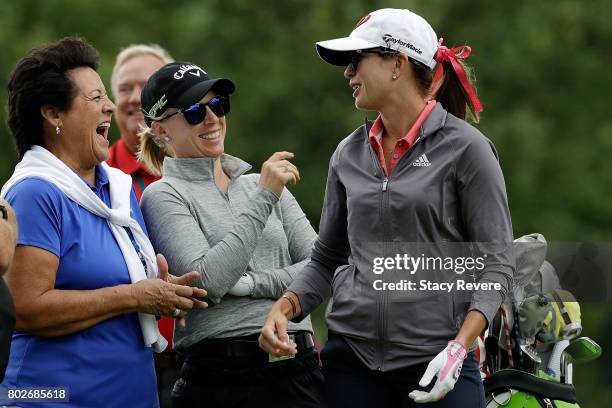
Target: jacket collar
(434,122)
(203,168)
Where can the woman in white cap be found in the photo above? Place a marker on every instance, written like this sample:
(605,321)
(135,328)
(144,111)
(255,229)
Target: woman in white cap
(245,234)
(420,174)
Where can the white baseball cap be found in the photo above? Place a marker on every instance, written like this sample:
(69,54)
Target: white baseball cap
(395,29)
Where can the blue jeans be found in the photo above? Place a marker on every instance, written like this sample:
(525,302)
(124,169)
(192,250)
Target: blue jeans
(349,383)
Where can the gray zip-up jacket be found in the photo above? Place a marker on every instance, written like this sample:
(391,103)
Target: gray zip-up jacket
(249,229)
(448,188)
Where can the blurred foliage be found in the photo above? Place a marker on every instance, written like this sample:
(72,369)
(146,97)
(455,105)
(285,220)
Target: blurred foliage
(543,76)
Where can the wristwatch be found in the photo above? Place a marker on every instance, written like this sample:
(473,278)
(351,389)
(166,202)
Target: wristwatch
(4,212)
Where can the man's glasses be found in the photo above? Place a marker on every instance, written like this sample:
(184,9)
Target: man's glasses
(195,114)
(357,56)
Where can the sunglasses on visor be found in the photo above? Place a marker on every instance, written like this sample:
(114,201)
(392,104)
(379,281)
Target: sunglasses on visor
(195,114)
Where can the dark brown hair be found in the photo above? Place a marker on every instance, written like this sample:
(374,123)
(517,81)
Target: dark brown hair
(40,78)
(450,92)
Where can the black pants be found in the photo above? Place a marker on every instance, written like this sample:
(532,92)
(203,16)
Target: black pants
(223,381)
(349,383)
(167,369)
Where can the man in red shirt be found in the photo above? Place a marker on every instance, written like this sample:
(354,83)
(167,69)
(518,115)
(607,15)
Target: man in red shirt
(133,66)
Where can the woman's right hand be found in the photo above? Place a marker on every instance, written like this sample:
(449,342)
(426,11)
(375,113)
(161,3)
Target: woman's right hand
(158,297)
(165,295)
(277,171)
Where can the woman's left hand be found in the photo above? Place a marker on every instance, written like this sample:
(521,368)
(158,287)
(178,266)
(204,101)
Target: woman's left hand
(447,366)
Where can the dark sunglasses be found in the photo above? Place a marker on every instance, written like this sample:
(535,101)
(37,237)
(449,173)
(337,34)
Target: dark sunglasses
(357,56)
(195,114)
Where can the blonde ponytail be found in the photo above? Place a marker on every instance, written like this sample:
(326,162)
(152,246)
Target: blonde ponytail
(153,151)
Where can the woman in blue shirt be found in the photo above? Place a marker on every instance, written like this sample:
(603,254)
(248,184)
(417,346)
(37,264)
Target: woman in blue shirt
(85,308)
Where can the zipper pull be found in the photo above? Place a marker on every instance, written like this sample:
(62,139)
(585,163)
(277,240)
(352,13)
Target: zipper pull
(385,182)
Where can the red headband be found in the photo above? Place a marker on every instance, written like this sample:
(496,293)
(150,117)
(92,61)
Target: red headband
(446,54)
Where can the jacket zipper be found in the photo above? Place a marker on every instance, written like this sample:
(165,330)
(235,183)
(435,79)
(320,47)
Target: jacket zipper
(380,346)
(226,194)
(382,307)
(229,186)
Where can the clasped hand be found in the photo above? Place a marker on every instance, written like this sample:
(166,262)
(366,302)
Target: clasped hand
(166,295)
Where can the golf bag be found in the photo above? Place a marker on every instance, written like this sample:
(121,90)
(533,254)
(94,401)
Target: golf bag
(528,352)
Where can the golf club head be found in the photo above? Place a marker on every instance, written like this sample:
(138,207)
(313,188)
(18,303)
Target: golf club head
(582,350)
(571,331)
(531,359)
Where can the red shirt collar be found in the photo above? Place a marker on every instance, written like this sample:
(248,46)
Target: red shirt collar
(377,128)
(121,158)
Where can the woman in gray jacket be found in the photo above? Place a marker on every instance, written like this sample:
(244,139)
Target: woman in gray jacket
(406,196)
(245,234)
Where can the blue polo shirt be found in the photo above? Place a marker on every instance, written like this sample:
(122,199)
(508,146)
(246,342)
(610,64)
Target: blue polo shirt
(106,364)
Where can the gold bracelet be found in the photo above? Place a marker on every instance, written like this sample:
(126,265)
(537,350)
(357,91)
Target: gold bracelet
(293,308)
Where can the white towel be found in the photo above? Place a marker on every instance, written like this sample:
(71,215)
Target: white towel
(39,162)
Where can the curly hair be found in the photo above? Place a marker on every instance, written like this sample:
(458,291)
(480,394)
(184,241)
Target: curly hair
(40,78)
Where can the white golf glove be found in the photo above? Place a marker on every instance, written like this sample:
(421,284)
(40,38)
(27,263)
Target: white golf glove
(244,286)
(447,365)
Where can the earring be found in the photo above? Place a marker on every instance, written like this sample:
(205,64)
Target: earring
(58,131)
(394,77)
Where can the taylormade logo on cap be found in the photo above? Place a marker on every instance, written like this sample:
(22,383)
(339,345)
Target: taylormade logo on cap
(388,39)
(396,29)
(400,30)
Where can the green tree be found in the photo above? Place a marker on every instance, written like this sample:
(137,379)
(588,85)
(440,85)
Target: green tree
(542,69)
